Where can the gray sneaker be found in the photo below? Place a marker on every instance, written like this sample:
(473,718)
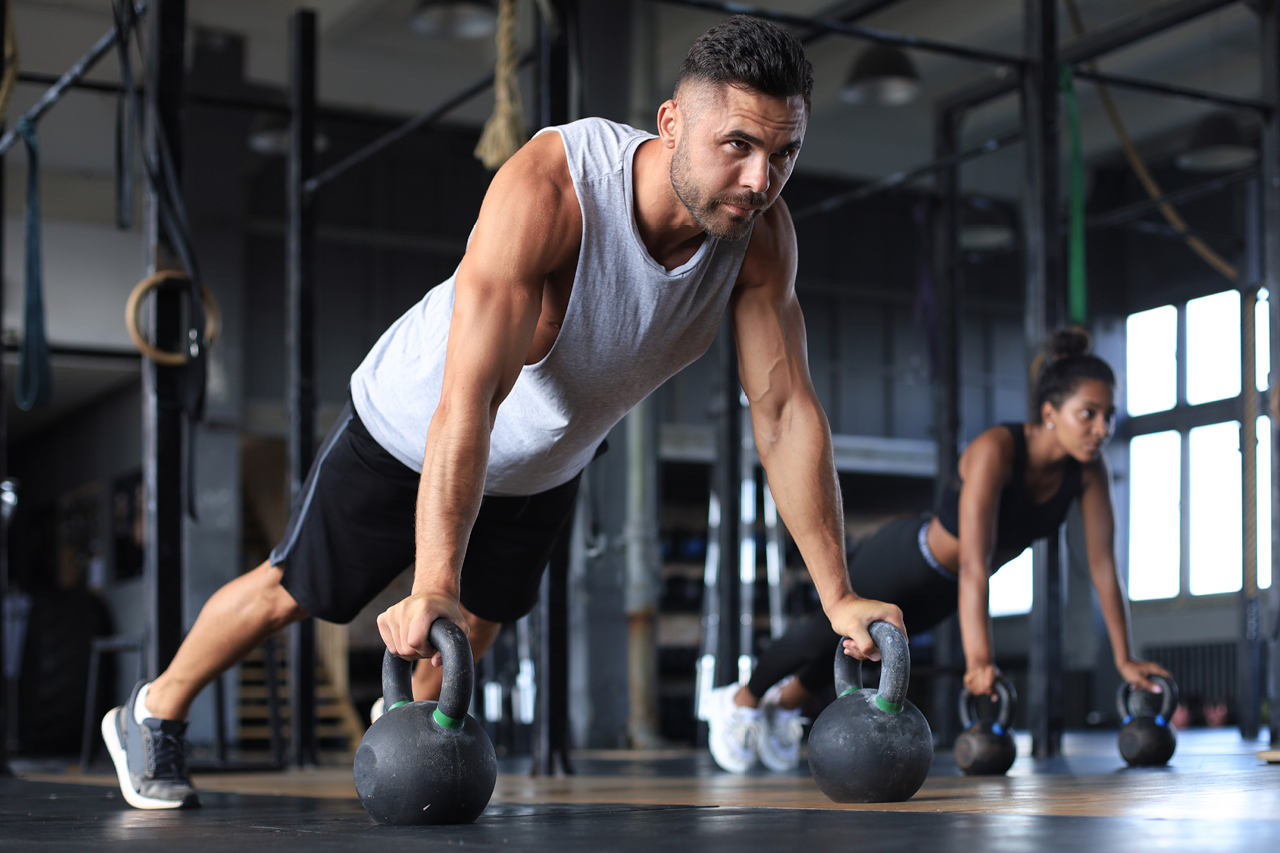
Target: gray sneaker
(150,759)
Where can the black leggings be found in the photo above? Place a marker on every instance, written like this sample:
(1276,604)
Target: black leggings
(887,567)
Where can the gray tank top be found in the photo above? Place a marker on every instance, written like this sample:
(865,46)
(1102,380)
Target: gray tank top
(629,326)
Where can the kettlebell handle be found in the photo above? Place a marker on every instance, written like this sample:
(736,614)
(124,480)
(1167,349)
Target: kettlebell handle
(1168,699)
(459,675)
(1008,705)
(895,667)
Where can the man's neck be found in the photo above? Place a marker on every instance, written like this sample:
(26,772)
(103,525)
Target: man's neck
(668,230)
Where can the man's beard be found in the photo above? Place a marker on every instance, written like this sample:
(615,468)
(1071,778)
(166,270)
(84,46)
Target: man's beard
(702,208)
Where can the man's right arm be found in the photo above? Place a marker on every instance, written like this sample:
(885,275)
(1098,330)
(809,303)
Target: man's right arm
(529,226)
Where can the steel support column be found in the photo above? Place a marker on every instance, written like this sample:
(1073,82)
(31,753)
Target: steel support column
(1269,13)
(1042,247)
(555,107)
(728,486)
(4,473)
(162,422)
(300,340)
(948,650)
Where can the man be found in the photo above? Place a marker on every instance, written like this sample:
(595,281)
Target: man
(602,262)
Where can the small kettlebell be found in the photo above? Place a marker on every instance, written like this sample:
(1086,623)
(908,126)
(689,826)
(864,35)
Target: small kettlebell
(871,746)
(984,749)
(1147,741)
(427,762)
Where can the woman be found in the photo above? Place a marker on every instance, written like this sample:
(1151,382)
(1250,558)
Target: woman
(1014,484)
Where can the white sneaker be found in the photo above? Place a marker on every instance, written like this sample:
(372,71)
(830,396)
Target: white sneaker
(780,732)
(733,730)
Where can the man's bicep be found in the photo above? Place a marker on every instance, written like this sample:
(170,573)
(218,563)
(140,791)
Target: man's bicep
(769,330)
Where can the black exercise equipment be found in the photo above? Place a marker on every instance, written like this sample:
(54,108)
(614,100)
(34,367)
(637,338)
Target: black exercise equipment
(987,749)
(427,762)
(1147,741)
(872,746)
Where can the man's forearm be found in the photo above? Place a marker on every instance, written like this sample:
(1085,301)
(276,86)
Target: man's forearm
(798,459)
(449,494)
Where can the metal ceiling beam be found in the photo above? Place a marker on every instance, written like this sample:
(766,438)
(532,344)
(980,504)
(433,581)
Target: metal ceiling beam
(1120,82)
(989,57)
(848,12)
(1147,205)
(1122,33)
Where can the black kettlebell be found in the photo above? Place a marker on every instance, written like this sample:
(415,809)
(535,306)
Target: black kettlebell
(427,762)
(987,749)
(871,746)
(1147,741)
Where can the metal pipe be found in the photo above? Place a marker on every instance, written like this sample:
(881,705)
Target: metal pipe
(640,599)
(1139,208)
(1106,39)
(1269,14)
(989,57)
(162,387)
(1044,288)
(1121,82)
(847,13)
(898,179)
(72,75)
(422,120)
(300,341)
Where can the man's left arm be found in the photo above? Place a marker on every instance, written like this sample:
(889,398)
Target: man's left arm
(790,427)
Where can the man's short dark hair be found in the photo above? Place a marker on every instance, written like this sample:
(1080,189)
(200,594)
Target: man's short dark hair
(752,53)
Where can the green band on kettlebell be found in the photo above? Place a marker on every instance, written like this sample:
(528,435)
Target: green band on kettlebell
(885,705)
(848,692)
(398,704)
(446,721)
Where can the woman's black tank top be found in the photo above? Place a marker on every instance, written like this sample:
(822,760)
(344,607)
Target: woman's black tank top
(1019,522)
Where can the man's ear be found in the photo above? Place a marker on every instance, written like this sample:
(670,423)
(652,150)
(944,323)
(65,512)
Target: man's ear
(669,121)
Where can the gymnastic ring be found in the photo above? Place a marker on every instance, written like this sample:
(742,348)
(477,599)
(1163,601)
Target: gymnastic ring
(212,323)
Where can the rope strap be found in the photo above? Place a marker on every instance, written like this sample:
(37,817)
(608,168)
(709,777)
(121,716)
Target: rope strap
(35,374)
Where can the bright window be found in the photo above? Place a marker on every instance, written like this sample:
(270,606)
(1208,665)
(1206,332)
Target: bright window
(1264,502)
(1155,486)
(1010,590)
(1213,347)
(1262,337)
(1151,380)
(1216,557)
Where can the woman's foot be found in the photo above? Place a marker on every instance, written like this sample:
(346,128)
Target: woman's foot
(734,730)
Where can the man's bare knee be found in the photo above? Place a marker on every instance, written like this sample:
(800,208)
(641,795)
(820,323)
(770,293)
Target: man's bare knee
(281,607)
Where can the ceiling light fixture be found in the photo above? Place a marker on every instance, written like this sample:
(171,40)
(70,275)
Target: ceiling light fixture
(882,74)
(1217,145)
(463,19)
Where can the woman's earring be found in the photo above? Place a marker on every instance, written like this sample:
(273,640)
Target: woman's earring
(1049,425)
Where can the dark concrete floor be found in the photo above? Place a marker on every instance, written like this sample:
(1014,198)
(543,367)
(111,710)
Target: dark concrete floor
(39,816)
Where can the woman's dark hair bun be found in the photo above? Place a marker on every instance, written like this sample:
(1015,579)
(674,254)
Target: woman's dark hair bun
(1069,342)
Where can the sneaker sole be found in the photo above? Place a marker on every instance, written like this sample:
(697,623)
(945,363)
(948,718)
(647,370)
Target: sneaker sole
(111,736)
(772,762)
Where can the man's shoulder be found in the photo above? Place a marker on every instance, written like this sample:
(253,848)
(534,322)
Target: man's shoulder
(771,253)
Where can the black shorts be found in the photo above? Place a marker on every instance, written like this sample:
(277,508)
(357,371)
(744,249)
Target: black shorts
(351,532)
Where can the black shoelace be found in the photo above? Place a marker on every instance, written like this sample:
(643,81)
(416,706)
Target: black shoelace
(167,759)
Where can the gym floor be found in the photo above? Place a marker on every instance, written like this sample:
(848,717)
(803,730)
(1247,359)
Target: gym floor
(1214,796)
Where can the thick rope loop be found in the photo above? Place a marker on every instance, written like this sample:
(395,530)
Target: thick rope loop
(212,324)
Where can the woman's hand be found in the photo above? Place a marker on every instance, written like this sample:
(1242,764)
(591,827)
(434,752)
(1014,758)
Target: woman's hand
(1136,671)
(981,680)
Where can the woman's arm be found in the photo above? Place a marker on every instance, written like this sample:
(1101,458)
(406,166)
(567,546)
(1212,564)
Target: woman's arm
(1099,533)
(985,468)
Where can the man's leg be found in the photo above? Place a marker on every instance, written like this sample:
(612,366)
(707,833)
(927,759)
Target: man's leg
(233,622)
(427,678)
(146,737)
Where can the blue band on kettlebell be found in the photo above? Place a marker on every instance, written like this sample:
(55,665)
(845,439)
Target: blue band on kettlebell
(1127,720)
(998,729)
(885,705)
(1161,721)
(398,704)
(445,720)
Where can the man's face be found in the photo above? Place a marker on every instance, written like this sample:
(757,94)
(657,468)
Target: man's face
(734,153)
